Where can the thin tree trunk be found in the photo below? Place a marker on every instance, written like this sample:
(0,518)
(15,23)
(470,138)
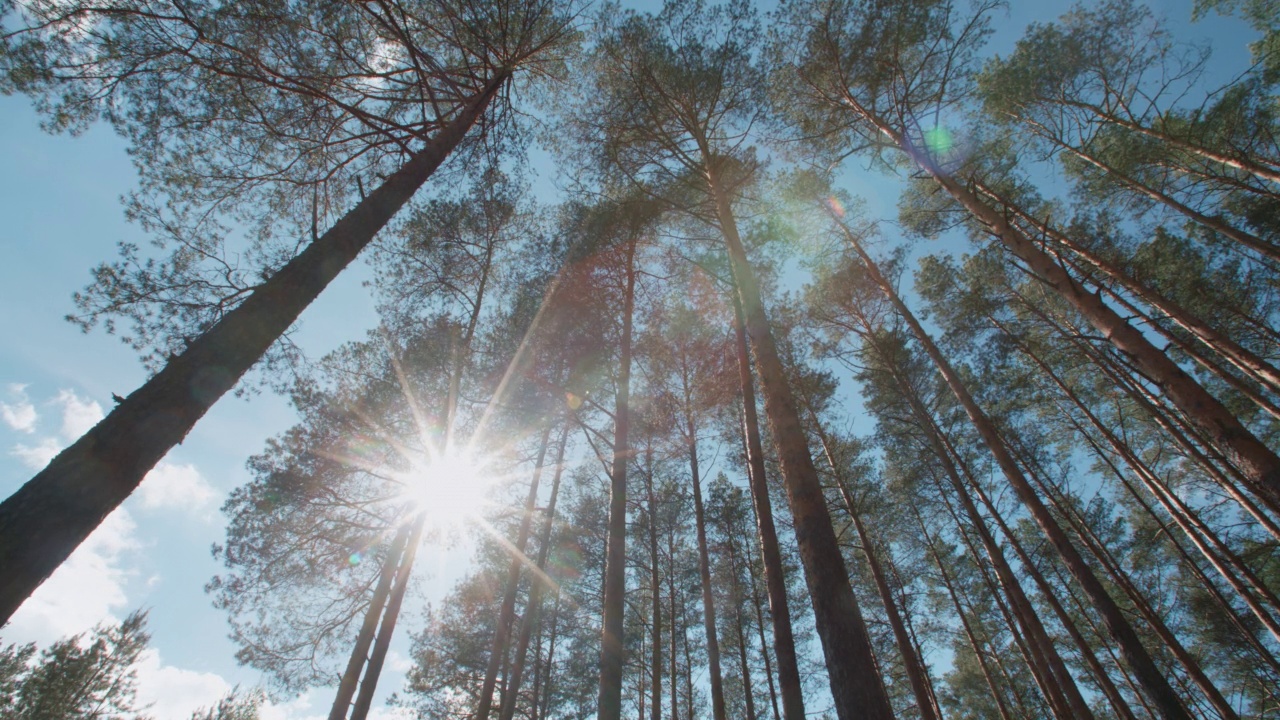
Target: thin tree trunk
(1122,579)
(1109,688)
(609,705)
(1245,360)
(1149,676)
(757,605)
(1173,426)
(1243,164)
(533,607)
(688,663)
(1018,620)
(373,670)
(736,586)
(911,662)
(655,586)
(704,571)
(1260,464)
(49,516)
(856,687)
(784,645)
(360,650)
(1050,672)
(1186,519)
(548,688)
(671,595)
(964,621)
(1216,224)
(500,646)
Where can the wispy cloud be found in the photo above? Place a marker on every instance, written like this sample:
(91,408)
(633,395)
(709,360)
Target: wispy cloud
(19,414)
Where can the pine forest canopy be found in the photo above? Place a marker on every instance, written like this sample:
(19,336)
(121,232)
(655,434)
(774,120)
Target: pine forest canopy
(721,438)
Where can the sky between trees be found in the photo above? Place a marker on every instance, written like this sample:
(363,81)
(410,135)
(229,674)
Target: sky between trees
(153,552)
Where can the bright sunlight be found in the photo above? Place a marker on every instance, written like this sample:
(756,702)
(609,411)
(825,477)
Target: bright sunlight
(450,489)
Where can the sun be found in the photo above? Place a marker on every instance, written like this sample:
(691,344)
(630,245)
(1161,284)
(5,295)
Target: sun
(449,489)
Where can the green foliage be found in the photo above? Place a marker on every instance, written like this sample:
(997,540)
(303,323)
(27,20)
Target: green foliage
(85,677)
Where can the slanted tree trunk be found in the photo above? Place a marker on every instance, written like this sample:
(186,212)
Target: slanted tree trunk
(498,649)
(1260,464)
(911,662)
(1047,667)
(1148,613)
(360,650)
(704,571)
(1100,675)
(1242,163)
(533,607)
(1217,224)
(784,645)
(964,620)
(1242,358)
(1183,516)
(48,517)
(856,687)
(373,670)
(735,579)
(1149,676)
(1176,428)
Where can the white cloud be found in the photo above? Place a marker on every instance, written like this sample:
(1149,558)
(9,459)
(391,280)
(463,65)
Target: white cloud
(398,662)
(290,710)
(21,415)
(38,455)
(85,590)
(174,486)
(78,414)
(171,692)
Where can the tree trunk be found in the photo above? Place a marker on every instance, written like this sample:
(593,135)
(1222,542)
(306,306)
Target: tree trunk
(1260,464)
(533,608)
(506,614)
(856,687)
(609,704)
(1174,426)
(784,645)
(1183,516)
(675,649)
(964,621)
(1109,688)
(1253,242)
(1242,358)
(548,688)
(748,693)
(757,605)
(911,662)
(1144,667)
(373,670)
(704,571)
(655,587)
(48,517)
(360,650)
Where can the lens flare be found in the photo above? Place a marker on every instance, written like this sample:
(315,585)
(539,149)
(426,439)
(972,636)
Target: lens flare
(939,140)
(837,208)
(450,489)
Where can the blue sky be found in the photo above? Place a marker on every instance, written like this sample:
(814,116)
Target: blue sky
(60,215)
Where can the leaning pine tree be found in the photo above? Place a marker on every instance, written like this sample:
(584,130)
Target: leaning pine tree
(386,90)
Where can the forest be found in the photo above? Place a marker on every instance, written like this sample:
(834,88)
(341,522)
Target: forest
(727,440)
